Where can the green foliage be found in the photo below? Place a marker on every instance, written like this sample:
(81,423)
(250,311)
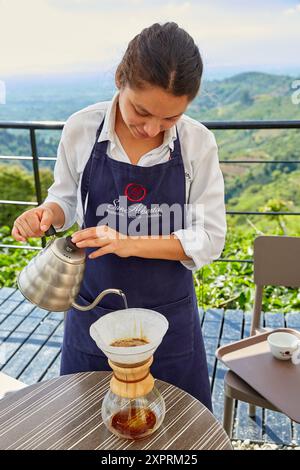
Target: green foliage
(230,285)
(278,205)
(17,184)
(13,260)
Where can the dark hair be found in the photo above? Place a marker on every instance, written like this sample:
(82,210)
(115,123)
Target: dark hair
(165,56)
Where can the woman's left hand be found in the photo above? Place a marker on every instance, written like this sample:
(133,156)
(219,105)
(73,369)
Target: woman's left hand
(107,239)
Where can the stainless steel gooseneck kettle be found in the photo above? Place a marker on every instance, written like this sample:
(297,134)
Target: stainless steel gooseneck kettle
(52,279)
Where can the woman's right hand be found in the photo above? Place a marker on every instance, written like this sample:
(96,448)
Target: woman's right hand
(32,223)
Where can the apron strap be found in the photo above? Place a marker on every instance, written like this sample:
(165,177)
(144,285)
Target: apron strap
(86,176)
(176,152)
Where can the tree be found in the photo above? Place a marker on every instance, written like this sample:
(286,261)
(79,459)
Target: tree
(278,205)
(246,99)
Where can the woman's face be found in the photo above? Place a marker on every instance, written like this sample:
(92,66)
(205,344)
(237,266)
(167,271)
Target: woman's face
(150,111)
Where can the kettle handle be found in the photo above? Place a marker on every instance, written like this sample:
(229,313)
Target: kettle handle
(51,231)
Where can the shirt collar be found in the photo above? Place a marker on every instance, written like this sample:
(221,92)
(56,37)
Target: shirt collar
(108,130)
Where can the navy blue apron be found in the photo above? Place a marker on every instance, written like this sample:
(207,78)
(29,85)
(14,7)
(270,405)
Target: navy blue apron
(162,285)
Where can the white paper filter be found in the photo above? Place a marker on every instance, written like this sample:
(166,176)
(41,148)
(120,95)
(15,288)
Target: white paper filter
(129,323)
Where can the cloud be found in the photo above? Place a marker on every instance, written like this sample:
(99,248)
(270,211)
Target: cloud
(56,35)
(293,11)
(94,5)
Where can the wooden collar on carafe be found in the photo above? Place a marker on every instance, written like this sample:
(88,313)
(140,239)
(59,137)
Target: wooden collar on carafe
(131,380)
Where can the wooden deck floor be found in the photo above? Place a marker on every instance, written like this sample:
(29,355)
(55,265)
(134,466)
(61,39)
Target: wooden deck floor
(30,343)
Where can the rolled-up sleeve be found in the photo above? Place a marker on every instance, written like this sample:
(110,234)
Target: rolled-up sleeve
(203,237)
(64,189)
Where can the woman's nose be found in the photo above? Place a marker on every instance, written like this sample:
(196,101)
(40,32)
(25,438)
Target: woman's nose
(152,128)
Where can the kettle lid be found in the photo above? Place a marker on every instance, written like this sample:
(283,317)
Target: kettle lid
(67,251)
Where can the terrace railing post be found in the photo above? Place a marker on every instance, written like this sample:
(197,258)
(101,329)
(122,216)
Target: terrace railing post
(36,172)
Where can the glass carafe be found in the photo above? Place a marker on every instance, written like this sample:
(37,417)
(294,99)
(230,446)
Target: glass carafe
(133,407)
(133,418)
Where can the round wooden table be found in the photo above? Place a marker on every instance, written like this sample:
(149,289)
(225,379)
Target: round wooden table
(65,413)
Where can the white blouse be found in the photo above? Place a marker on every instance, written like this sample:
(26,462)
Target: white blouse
(204,236)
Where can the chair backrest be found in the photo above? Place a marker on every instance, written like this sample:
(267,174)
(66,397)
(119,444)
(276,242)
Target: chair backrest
(277,263)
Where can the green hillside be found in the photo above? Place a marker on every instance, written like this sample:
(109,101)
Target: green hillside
(253,96)
(246,96)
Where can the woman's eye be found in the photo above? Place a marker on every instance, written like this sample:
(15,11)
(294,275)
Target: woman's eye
(140,114)
(145,115)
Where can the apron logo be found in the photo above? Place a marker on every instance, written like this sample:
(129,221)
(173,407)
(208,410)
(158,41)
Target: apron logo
(135,192)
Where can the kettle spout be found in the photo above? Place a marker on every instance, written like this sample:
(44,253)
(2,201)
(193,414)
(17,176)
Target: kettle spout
(100,297)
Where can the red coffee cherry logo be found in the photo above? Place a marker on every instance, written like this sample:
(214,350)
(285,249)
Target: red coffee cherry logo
(135,192)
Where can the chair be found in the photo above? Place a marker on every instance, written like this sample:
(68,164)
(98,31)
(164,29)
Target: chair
(9,384)
(276,262)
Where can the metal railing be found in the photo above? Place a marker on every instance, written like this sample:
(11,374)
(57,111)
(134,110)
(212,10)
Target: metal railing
(33,126)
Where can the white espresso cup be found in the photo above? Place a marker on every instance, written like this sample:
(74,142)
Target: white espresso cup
(285,346)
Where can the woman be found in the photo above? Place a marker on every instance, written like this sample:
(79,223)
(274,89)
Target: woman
(147,157)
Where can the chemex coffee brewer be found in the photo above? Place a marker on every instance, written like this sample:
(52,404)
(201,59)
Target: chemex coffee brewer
(133,407)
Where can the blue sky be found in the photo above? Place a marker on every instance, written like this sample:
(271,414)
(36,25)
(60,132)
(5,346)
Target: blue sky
(52,36)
